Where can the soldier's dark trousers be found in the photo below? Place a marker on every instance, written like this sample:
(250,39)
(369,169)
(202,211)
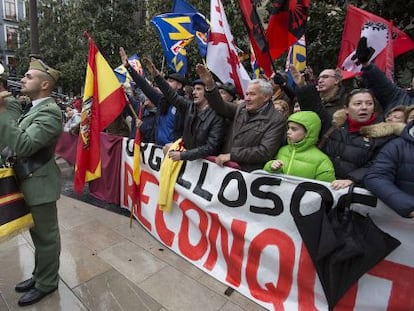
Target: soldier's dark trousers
(46,240)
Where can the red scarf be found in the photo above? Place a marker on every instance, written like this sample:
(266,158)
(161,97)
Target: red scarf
(355,126)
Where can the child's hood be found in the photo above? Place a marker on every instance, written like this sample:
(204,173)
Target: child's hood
(311,122)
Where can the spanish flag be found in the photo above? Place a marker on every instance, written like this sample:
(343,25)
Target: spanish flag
(103,100)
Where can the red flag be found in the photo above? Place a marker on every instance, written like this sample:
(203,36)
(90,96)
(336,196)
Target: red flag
(401,42)
(359,23)
(221,42)
(256,35)
(286,24)
(103,101)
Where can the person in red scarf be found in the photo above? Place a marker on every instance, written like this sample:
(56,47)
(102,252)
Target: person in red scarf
(350,151)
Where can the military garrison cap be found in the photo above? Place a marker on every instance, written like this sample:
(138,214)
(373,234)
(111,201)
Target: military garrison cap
(38,64)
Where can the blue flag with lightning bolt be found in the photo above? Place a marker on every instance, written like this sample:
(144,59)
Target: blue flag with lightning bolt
(176,30)
(183,7)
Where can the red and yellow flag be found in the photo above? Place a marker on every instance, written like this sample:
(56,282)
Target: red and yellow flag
(103,100)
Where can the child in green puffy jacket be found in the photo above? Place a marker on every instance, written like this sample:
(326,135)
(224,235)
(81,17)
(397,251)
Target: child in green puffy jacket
(301,157)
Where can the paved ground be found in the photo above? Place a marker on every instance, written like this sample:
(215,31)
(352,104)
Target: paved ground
(108,265)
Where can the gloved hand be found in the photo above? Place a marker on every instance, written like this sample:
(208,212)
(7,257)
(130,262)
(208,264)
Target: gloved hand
(363,52)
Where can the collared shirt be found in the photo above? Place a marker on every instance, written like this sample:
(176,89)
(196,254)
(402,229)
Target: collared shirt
(38,101)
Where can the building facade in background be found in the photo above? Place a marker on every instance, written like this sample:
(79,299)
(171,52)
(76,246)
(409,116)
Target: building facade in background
(11,12)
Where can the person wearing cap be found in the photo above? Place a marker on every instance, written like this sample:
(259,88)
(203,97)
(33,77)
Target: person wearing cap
(204,130)
(33,138)
(169,121)
(257,130)
(228,91)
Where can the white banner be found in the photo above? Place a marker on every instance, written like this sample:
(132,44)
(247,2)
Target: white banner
(238,227)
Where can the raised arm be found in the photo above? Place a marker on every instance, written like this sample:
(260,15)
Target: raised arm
(170,94)
(225,109)
(388,94)
(153,95)
(309,100)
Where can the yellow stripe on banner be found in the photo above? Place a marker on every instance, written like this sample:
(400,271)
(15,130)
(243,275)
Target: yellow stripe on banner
(107,81)
(6,172)
(11,197)
(16,226)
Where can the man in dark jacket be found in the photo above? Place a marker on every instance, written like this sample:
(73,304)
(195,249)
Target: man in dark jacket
(257,129)
(329,89)
(391,177)
(328,95)
(204,130)
(169,123)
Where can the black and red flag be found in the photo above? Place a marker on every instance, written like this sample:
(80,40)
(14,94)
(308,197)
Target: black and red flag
(286,24)
(256,35)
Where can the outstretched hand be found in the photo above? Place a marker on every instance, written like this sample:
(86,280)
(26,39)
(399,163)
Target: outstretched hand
(363,52)
(123,55)
(150,66)
(205,76)
(297,76)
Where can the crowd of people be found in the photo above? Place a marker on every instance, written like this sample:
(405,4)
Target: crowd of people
(319,130)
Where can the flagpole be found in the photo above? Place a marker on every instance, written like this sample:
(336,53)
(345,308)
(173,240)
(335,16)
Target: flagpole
(162,64)
(136,152)
(262,32)
(86,34)
(131,215)
(132,110)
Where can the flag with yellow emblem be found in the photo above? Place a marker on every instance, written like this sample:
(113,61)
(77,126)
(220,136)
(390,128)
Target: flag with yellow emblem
(103,100)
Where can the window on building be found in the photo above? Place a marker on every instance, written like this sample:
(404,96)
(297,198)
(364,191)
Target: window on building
(10,9)
(11,33)
(12,64)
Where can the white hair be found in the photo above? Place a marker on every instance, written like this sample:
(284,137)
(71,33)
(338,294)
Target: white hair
(266,87)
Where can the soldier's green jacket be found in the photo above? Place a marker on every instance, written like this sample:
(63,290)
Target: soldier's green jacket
(39,128)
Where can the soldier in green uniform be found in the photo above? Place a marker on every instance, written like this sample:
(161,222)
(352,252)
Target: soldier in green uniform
(33,137)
